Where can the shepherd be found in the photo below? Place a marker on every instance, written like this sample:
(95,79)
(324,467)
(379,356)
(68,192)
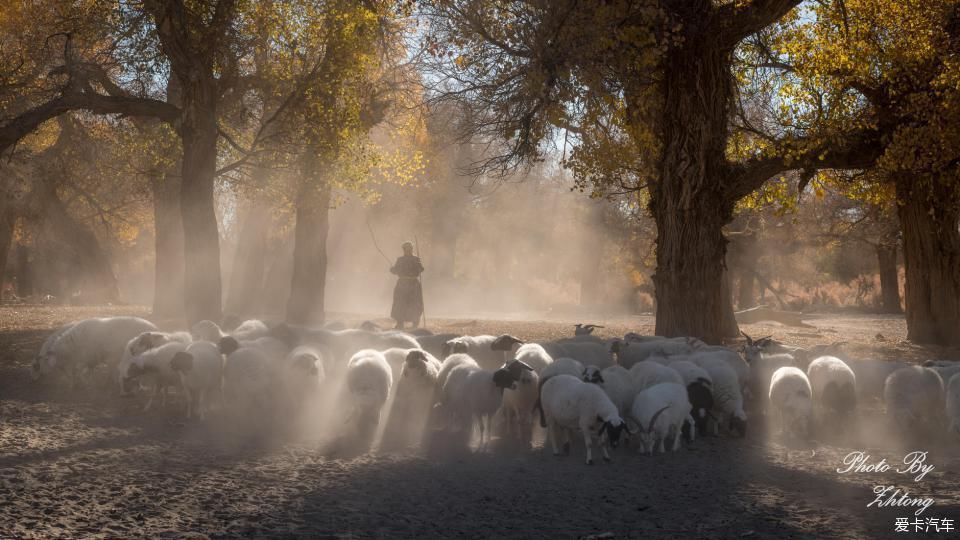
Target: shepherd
(408,294)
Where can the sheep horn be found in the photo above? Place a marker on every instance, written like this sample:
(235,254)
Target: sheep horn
(654,419)
(524,365)
(749,339)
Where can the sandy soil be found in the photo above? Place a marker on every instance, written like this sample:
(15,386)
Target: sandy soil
(90,464)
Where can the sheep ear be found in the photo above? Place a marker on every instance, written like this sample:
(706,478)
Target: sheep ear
(749,339)
(524,365)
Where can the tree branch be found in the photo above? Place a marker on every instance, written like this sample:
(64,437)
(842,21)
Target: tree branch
(737,20)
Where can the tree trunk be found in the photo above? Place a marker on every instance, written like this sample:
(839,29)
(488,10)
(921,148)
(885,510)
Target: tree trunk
(889,282)
(246,278)
(929,219)
(305,305)
(688,200)
(7,221)
(168,245)
(202,285)
(92,266)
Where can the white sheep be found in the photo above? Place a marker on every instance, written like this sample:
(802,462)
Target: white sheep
(762,367)
(42,364)
(872,376)
(834,387)
(914,398)
(200,368)
(568,403)
(490,352)
(301,376)
(342,344)
(953,404)
(518,402)
(414,394)
(247,378)
(94,341)
(629,353)
(533,355)
(476,394)
(733,359)
(152,369)
(207,331)
(646,374)
(369,379)
(587,353)
(699,385)
(617,383)
(250,330)
(791,400)
(660,412)
(434,344)
(727,397)
(142,343)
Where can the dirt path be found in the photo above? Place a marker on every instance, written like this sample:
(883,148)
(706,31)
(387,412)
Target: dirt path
(82,465)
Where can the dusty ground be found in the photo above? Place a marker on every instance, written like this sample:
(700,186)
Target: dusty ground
(89,464)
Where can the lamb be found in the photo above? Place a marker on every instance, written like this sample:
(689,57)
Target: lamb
(250,330)
(629,353)
(369,379)
(435,344)
(534,355)
(791,399)
(473,393)
(646,374)
(301,376)
(200,368)
(914,398)
(953,404)
(727,397)
(872,376)
(617,383)
(140,344)
(568,403)
(94,341)
(518,402)
(586,352)
(740,366)
(699,390)
(153,369)
(490,352)
(661,411)
(834,387)
(247,377)
(207,331)
(560,366)
(342,344)
(762,367)
(42,365)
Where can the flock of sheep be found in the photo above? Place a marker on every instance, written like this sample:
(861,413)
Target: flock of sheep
(652,389)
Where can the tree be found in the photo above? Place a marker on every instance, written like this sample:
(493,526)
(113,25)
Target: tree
(890,66)
(655,78)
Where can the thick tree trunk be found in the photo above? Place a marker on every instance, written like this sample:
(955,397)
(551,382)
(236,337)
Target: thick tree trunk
(688,201)
(249,263)
(889,282)
(305,305)
(202,285)
(168,245)
(929,218)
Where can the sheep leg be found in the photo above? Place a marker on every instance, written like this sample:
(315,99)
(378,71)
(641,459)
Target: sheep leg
(660,444)
(693,428)
(588,442)
(606,453)
(552,434)
(676,437)
(153,394)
